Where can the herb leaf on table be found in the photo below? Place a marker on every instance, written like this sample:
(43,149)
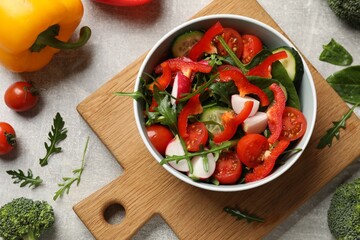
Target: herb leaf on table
(68,181)
(326,140)
(57,134)
(23,179)
(336,54)
(346,83)
(241,215)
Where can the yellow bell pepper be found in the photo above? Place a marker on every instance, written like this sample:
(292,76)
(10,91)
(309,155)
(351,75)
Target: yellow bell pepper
(32,31)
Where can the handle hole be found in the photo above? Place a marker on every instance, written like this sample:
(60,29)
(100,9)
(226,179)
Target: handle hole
(114,214)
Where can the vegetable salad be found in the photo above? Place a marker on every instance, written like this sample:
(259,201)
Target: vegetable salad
(223,108)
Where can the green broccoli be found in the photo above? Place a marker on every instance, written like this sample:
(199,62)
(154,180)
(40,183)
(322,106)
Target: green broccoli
(344,211)
(348,10)
(24,218)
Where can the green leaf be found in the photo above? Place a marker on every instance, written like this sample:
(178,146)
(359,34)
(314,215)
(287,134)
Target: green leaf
(222,91)
(167,111)
(57,134)
(242,215)
(346,83)
(335,54)
(28,179)
(68,181)
(279,73)
(326,140)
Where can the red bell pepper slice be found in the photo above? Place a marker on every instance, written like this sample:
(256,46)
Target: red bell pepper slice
(231,121)
(164,80)
(192,107)
(275,113)
(186,66)
(244,86)
(264,68)
(204,45)
(264,169)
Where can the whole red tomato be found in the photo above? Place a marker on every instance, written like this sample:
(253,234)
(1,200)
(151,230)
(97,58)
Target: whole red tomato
(7,138)
(124,2)
(21,96)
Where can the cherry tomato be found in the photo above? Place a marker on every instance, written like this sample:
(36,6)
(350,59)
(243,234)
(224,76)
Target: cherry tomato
(124,2)
(251,149)
(21,96)
(252,46)
(159,136)
(198,136)
(7,138)
(228,168)
(233,40)
(294,124)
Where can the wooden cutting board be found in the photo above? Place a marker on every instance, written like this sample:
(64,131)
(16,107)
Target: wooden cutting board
(146,188)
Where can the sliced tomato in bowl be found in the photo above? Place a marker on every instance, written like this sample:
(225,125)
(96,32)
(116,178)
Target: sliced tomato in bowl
(252,46)
(233,40)
(228,168)
(294,124)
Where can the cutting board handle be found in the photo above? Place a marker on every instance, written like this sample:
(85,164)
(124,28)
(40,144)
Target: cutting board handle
(92,209)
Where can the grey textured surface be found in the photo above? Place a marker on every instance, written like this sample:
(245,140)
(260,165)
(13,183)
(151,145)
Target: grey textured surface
(120,35)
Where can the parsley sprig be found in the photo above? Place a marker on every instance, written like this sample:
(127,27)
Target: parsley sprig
(23,179)
(57,134)
(68,181)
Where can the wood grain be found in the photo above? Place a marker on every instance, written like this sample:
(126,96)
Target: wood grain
(146,188)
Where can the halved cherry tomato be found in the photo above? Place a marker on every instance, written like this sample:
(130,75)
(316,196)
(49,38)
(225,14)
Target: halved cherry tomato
(252,46)
(21,96)
(228,168)
(159,136)
(233,40)
(7,138)
(293,124)
(270,157)
(197,136)
(251,149)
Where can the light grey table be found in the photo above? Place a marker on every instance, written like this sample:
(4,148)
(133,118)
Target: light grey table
(121,35)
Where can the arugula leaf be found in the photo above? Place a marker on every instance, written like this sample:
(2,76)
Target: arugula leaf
(57,134)
(68,181)
(335,54)
(346,83)
(243,215)
(326,140)
(168,113)
(25,180)
(135,95)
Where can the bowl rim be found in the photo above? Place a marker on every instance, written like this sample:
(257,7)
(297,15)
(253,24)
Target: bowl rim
(236,187)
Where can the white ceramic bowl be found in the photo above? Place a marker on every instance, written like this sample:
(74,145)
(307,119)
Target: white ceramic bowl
(270,38)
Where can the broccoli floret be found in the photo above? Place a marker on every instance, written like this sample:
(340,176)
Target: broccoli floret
(348,10)
(344,211)
(24,218)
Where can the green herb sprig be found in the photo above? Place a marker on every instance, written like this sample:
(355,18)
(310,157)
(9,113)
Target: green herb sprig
(68,181)
(57,134)
(326,140)
(242,215)
(23,179)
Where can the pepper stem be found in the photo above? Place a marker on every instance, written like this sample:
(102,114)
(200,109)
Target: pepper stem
(48,38)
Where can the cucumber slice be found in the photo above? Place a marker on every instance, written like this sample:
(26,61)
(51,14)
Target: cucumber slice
(185,42)
(212,119)
(293,64)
